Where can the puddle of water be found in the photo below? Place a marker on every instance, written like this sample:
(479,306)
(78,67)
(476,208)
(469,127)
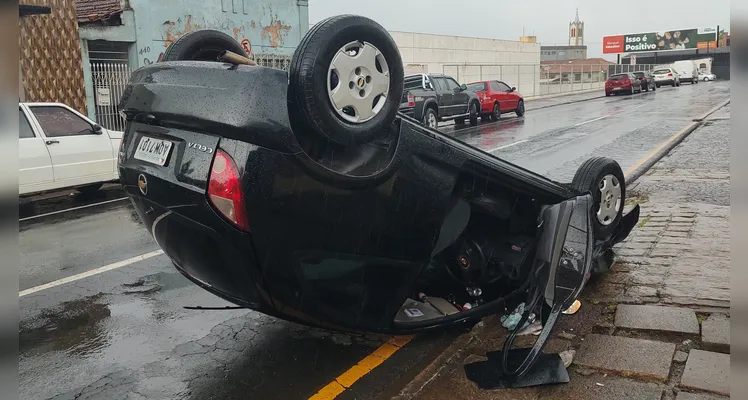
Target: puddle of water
(75,327)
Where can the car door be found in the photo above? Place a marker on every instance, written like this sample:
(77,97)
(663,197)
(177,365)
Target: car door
(446,97)
(80,154)
(497,95)
(509,100)
(460,97)
(34,162)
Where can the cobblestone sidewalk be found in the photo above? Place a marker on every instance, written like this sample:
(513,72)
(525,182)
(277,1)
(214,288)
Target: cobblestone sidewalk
(657,326)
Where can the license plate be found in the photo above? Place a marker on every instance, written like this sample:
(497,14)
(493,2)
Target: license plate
(616,88)
(152,150)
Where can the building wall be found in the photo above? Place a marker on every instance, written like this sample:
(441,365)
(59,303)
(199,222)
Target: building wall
(50,56)
(563,53)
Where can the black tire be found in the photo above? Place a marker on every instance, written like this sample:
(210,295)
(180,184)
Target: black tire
(654,88)
(657,85)
(426,117)
(202,45)
(88,189)
(588,177)
(646,88)
(607,94)
(496,113)
(474,114)
(520,111)
(308,78)
(674,85)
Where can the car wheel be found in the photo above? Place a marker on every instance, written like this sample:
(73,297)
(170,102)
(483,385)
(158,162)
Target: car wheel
(520,111)
(674,84)
(429,119)
(473,114)
(88,189)
(202,45)
(603,178)
(496,114)
(346,79)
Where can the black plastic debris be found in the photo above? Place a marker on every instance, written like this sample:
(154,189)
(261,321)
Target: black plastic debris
(549,369)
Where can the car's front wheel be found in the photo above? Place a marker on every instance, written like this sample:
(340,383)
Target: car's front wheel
(520,111)
(473,114)
(604,179)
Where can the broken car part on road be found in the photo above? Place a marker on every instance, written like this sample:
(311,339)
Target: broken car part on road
(322,205)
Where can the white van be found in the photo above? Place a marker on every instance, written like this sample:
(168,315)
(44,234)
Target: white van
(687,70)
(59,148)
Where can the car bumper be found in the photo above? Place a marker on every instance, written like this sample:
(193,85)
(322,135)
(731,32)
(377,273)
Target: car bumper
(664,82)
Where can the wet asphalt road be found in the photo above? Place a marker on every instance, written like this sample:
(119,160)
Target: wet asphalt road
(124,334)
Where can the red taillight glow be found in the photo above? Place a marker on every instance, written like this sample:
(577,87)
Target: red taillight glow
(669,74)
(411,100)
(225,191)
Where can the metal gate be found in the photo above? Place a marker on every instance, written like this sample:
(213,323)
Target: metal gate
(110,72)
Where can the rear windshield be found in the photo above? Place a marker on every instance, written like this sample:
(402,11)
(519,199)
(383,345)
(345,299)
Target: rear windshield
(618,77)
(639,74)
(477,87)
(661,71)
(413,82)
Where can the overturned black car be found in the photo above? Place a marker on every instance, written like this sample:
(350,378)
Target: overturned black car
(304,195)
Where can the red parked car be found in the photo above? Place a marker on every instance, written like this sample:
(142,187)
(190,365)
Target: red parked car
(497,97)
(623,83)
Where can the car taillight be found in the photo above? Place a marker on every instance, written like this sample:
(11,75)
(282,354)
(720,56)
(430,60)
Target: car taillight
(481,95)
(225,191)
(411,100)
(669,74)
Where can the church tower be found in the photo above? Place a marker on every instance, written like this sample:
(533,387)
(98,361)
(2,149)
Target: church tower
(576,32)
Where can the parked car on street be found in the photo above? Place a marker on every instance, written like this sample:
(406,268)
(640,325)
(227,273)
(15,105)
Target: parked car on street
(59,148)
(687,70)
(431,98)
(706,76)
(626,82)
(666,76)
(497,97)
(647,80)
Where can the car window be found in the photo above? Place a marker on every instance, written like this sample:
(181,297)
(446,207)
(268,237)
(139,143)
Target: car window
(503,87)
(477,87)
(441,85)
(58,121)
(24,127)
(639,74)
(661,71)
(495,86)
(618,77)
(452,84)
(413,83)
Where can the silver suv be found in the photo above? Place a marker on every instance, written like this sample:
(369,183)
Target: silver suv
(666,76)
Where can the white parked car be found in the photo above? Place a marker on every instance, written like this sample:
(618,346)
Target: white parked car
(706,76)
(59,147)
(666,76)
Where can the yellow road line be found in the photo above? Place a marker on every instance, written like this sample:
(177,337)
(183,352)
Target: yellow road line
(358,371)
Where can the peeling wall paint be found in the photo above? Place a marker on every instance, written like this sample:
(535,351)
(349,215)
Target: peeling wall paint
(266,26)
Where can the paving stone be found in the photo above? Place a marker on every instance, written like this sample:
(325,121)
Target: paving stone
(597,387)
(715,333)
(707,371)
(696,396)
(657,318)
(680,357)
(626,356)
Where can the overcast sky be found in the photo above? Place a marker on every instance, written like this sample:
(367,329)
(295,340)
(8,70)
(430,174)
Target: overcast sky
(547,19)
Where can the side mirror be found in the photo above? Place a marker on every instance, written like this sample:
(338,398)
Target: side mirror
(513,89)
(463,87)
(97,129)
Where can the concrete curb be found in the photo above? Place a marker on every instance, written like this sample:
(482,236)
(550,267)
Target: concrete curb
(684,133)
(414,387)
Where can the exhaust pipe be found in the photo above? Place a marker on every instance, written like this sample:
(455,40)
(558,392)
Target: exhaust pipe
(233,58)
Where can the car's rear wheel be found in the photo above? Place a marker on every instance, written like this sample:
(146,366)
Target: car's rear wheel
(346,79)
(646,88)
(496,113)
(520,111)
(429,119)
(202,45)
(604,179)
(473,114)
